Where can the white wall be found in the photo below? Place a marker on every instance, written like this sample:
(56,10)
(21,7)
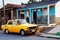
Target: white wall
(57,9)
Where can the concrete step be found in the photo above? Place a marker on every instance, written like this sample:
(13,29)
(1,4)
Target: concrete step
(49,35)
(55,30)
(47,29)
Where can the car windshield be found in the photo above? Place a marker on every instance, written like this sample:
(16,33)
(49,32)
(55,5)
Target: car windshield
(21,21)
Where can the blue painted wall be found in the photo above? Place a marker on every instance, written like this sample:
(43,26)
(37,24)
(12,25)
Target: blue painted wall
(39,13)
(25,13)
(52,11)
(31,16)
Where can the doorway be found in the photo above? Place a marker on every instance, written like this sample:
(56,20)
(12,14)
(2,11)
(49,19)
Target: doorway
(22,16)
(35,17)
(8,15)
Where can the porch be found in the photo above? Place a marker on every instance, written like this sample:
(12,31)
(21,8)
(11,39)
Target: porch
(10,12)
(39,15)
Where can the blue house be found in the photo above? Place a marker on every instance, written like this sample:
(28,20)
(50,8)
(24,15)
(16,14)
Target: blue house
(40,12)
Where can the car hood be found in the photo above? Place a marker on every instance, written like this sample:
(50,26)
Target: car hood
(30,25)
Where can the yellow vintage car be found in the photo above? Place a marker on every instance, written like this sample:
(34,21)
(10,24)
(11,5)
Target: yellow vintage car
(19,26)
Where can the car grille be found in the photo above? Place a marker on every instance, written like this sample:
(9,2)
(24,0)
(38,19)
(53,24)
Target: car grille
(33,27)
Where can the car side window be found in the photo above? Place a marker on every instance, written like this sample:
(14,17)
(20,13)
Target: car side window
(10,23)
(14,22)
(18,22)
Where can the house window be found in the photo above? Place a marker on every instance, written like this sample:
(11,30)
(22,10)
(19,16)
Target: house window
(27,13)
(45,11)
(10,23)
(14,23)
(21,14)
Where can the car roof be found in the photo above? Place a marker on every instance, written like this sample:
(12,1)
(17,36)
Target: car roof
(16,19)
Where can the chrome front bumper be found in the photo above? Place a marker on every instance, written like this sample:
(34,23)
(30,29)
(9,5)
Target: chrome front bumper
(32,30)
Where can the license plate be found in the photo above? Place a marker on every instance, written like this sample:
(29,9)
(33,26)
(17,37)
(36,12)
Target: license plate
(33,30)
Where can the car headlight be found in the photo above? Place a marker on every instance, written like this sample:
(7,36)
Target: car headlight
(29,29)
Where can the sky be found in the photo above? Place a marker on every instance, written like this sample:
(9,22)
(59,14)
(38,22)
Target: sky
(13,2)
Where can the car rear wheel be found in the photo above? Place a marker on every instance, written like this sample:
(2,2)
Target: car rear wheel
(22,33)
(6,31)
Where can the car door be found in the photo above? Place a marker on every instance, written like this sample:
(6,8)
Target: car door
(9,26)
(15,26)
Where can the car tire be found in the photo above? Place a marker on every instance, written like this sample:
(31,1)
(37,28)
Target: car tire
(33,32)
(22,33)
(6,31)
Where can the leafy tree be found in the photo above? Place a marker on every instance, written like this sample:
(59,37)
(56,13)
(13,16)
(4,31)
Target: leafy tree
(31,1)
(50,0)
(45,0)
(23,3)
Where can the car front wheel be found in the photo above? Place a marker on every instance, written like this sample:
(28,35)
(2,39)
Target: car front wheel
(22,33)
(6,31)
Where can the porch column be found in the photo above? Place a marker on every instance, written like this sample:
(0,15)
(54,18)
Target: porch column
(48,15)
(30,18)
(11,14)
(17,14)
(25,14)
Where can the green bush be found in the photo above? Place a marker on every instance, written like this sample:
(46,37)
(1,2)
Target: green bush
(58,33)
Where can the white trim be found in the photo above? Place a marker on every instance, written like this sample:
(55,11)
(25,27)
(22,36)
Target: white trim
(29,16)
(48,15)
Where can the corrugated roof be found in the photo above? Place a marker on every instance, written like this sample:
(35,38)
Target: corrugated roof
(41,3)
(11,6)
(14,5)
